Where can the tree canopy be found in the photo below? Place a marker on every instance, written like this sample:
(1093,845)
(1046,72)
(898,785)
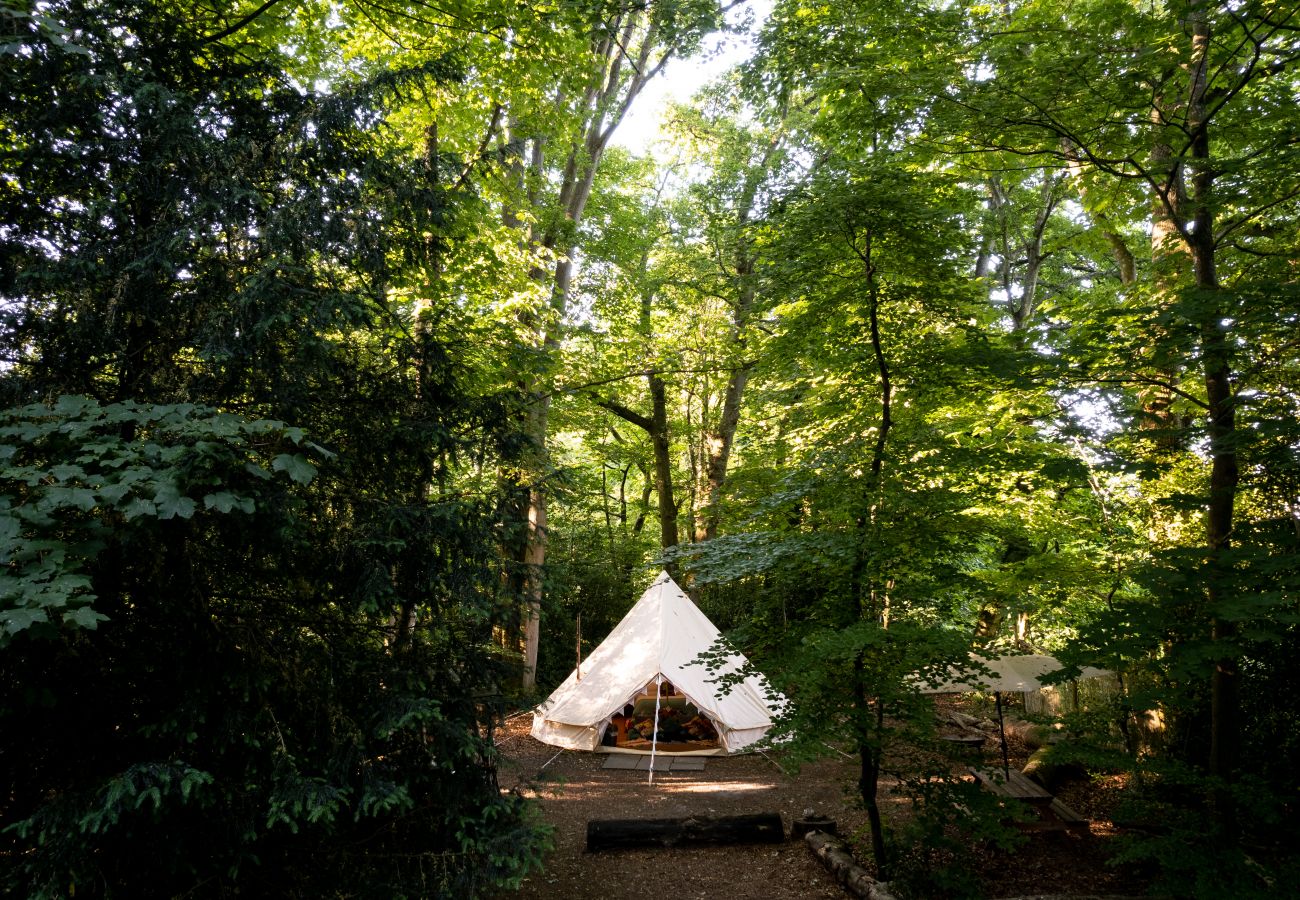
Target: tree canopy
(346,359)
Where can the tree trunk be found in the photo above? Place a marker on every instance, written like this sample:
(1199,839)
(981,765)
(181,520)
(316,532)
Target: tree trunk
(717,446)
(1024,308)
(1124,260)
(533,557)
(606,100)
(663,462)
(1167,204)
(718,443)
(1216,357)
(656,426)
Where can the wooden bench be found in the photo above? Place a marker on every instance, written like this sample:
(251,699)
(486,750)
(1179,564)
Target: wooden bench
(1068,816)
(1013,784)
(1016,785)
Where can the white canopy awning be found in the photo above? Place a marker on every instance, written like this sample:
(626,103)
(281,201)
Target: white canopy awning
(1024,672)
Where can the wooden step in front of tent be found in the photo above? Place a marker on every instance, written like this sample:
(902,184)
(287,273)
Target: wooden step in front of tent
(641,763)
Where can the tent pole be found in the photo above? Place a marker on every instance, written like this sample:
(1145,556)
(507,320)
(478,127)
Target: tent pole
(1002,733)
(654,735)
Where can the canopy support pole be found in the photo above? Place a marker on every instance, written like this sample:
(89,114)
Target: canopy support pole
(654,735)
(1002,733)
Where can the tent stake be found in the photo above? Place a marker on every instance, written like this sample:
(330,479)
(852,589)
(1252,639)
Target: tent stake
(654,735)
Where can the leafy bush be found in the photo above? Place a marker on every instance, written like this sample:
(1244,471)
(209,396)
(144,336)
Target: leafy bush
(200,698)
(235,661)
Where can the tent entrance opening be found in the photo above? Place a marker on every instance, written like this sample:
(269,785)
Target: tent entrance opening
(682,727)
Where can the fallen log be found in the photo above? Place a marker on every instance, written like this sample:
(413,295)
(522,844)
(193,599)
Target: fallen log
(621,834)
(1033,735)
(845,868)
(1042,767)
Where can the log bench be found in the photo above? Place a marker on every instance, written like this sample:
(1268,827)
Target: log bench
(972,740)
(633,834)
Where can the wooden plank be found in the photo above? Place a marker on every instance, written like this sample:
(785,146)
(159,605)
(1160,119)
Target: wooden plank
(688,764)
(661,763)
(1068,816)
(1014,784)
(617,834)
(620,761)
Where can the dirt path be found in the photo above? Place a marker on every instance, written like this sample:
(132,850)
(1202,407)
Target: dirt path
(576,789)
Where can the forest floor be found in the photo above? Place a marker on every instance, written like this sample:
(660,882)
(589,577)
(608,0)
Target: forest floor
(575,788)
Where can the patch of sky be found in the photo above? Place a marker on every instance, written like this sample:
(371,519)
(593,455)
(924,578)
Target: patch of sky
(682,78)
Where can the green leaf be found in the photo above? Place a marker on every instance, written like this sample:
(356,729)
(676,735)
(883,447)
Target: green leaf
(170,503)
(84,617)
(140,507)
(296,466)
(70,406)
(114,492)
(223,501)
(16,620)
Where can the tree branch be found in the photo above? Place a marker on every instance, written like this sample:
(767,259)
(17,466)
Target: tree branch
(239,23)
(628,415)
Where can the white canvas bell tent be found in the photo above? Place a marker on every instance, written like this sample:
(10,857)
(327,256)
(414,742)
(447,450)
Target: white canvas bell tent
(655,642)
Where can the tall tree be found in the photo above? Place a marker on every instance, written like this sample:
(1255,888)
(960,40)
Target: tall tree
(1180,117)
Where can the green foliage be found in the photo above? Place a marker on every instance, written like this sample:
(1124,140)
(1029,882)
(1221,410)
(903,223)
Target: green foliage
(248,597)
(1193,851)
(948,817)
(79,475)
(283,362)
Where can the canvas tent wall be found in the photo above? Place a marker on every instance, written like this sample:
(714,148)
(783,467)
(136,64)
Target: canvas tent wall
(660,636)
